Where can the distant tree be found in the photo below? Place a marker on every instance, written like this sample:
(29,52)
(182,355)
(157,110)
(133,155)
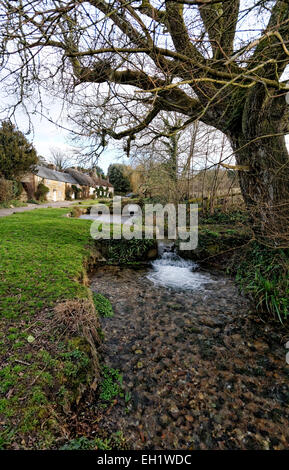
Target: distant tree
(118,179)
(17,154)
(60,159)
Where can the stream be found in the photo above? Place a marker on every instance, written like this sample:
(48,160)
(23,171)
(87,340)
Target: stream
(200,370)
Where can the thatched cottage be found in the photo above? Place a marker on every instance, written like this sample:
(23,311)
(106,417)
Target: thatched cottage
(72,182)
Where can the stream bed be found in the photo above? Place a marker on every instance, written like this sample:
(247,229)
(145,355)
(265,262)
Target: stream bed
(200,371)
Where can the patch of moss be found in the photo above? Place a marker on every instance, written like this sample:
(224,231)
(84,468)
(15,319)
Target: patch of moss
(102,305)
(110,386)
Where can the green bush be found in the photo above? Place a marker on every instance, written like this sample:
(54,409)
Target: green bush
(17,189)
(100,192)
(126,251)
(41,192)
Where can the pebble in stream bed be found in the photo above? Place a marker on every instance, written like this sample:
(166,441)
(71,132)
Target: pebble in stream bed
(202,372)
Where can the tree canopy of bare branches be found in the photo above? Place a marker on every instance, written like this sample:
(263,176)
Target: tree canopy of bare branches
(221,62)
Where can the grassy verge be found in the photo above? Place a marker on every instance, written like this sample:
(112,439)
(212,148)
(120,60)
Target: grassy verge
(14,203)
(45,357)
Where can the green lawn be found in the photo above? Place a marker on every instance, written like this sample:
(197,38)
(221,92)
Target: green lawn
(42,261)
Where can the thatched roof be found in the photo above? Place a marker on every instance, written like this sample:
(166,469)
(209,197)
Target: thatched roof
(47,173)
(82,178)
(71,176)
(103,182)
(99,181)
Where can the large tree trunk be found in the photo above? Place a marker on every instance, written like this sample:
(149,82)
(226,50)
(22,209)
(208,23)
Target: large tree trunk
(259,145)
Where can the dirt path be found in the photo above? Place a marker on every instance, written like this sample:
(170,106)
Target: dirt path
(200,371)
(29,207)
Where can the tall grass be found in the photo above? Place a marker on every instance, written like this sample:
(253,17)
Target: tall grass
(263,274)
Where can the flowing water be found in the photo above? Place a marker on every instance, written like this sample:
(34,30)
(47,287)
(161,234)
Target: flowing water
(170,270)
(200,371)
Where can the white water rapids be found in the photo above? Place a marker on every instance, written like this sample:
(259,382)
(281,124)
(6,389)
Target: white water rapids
(170,270)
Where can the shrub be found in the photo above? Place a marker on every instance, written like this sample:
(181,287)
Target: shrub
(41,192)
(17,189)
(17,154)
(6,190)
(100,192)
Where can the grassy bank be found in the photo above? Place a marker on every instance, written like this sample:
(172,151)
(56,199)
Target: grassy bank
(263,274)
(226,241)
(46,358)
(49,327)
